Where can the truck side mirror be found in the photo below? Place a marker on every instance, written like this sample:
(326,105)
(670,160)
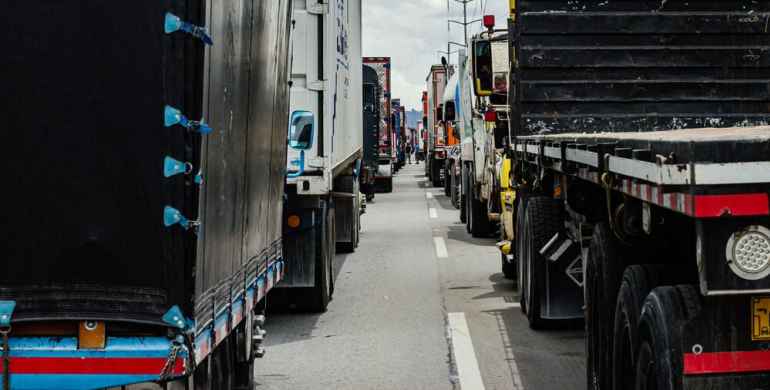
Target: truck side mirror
(483,76)
(301,130)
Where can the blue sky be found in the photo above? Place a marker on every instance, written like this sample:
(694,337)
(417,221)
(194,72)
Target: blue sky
(411,32)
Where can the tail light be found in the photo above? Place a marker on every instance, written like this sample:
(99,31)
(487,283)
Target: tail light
(489,21)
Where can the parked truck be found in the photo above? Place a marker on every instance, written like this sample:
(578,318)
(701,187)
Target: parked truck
(322,214)
(435,153)
(483,146)
(384,177)
(138,239)
(641,172)
(371,132)
(453,163)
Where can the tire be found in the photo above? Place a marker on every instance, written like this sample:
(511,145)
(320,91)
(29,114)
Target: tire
(542,220)
(518,239)
(454,190)
(389,185)
(202,375)
(508,267)
(435,174)
(243,370)
(659,361)
(223,365)
(638,281)
(369,197)
(603,274)
(480,225)
(447,181)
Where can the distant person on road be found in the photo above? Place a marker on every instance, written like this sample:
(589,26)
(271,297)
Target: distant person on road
(409,153)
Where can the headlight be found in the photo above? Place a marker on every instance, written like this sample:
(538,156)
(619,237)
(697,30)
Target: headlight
(748,252)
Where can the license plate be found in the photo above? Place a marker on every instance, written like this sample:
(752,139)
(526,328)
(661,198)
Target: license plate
(760,324)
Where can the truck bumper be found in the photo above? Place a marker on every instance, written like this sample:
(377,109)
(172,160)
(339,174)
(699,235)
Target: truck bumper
(719,350)
(42,363)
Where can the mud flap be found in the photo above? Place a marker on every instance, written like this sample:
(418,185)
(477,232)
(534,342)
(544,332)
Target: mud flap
(563,298)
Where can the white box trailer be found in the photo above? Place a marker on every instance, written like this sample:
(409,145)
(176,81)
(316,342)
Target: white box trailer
(322,188)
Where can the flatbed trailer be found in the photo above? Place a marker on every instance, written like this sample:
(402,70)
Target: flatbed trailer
(640,145)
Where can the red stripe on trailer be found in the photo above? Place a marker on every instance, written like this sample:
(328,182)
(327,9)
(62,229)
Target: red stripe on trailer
(736,205)
(95,366)
(726,362)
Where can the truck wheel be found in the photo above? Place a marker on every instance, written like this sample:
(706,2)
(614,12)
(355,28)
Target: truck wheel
(454,189)
(518,239)
(243,372)
(542,220)
(202,375)
(447,181)
(659,361)
(222,365)
(603,272)
(479,219)
(638,281)
(435,174)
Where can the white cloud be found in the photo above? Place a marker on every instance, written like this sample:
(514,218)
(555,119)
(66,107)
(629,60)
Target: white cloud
(411,33)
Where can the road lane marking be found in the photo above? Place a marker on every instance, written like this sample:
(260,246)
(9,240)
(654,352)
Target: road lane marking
(441,251)
(464,354)
(433,213)
(429,195)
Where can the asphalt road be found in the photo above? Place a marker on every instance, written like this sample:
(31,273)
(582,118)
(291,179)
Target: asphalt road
(419,305)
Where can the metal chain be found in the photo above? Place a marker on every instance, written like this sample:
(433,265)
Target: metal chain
(6,359)
(168,368)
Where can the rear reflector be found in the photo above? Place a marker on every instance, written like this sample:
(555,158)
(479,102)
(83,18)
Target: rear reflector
(490,116)
(726,362)
(736,205)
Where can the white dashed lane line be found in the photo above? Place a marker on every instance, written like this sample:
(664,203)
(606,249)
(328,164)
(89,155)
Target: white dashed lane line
(429,195)
(441,251)
(463,352)
(433,213)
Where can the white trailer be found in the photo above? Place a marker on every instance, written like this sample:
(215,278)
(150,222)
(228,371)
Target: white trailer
(322,215)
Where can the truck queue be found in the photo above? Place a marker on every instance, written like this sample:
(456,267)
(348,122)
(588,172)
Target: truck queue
(159,191)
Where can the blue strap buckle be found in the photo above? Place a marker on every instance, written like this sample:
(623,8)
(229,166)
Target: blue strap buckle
(173,167)
(176,319)
(174,23)
(6,312)
(172,216)
(172,116)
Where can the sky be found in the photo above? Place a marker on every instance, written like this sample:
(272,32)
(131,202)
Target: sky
(412,31)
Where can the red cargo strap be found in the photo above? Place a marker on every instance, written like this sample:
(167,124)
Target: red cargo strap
(726,362)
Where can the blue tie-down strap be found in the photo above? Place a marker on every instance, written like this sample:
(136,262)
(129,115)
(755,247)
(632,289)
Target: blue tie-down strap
(173,116)
(6,312)
(174,23)
(47,363)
